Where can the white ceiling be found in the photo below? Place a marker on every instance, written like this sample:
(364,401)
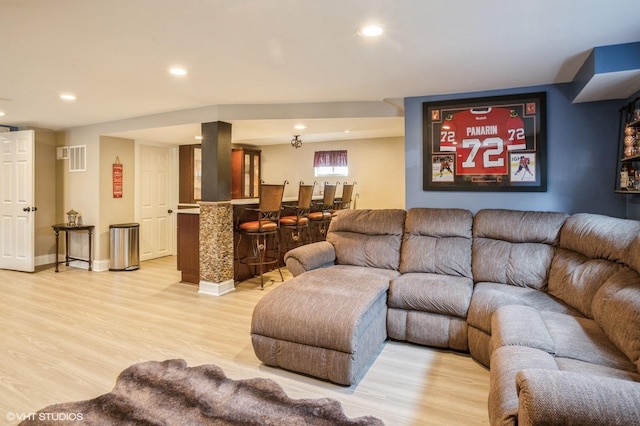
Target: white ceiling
(114,55)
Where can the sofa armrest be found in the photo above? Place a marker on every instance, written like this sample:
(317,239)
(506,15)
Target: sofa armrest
(310,256)
(552,397)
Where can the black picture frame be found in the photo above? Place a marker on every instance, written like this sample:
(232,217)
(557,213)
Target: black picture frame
(493,143)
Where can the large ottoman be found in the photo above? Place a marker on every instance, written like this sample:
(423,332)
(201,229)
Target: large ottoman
(328,323)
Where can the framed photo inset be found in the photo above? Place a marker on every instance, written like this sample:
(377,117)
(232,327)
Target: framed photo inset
(485,144)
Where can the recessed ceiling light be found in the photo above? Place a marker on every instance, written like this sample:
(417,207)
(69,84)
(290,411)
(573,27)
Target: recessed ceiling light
(299,127)
(178,71)
(68,97)
(2,113)
(347,131)
(198,137)
(370,31)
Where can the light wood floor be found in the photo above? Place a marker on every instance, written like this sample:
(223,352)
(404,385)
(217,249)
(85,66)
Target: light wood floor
(66,336)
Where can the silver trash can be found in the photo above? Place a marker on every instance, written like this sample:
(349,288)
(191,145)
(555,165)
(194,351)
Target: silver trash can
(124,243)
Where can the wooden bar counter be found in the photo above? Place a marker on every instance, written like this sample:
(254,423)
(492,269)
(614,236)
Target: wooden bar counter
(188,240)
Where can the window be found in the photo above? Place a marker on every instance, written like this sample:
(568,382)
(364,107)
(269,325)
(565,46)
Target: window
(330,163)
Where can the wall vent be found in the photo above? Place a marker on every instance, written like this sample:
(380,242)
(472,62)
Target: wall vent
(62,153)
(78,158)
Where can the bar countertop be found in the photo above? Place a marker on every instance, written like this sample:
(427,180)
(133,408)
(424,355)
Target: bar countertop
(239,202)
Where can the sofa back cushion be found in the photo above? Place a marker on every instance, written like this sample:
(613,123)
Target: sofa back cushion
(633,255)
(515,247)
(367,237)
(616,309)
(592,248)
(437,241)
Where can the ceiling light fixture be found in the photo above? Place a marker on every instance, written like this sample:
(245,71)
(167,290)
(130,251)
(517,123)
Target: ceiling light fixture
(178,71)
(370,31)
(296,142)
(2,113)
(299,127)
(68,97)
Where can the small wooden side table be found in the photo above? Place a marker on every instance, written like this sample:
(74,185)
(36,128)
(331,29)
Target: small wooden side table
(68,229)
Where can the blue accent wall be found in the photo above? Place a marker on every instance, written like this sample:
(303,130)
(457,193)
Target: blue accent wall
(582,145)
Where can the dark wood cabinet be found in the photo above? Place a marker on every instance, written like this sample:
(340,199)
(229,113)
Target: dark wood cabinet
(245,173)
(189,247)
(190,174)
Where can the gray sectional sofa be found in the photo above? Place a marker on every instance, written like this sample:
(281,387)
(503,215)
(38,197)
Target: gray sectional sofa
(549,302)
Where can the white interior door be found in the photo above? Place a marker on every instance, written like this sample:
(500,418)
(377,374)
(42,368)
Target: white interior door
(155,202)
(17,207)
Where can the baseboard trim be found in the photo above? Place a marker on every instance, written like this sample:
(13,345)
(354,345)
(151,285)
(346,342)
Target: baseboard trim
(216,289)
(96,265)
(46,259)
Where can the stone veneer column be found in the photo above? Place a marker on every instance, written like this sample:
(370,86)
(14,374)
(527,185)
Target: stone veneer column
(216,248)
(216,212)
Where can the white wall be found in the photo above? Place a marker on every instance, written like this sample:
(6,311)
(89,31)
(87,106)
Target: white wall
(377,165)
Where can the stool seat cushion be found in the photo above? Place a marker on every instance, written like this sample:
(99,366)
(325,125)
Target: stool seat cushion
(324,215)
(327,323)
(258,226)
(293,221)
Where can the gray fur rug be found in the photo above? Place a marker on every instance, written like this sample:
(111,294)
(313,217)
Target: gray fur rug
(170,393)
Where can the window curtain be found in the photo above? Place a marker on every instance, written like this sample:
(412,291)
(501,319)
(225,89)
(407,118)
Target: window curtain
(330,159)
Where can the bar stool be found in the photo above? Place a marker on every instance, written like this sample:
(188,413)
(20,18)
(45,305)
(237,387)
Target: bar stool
(347,193)
(264,227)
(295,226)
(322,217)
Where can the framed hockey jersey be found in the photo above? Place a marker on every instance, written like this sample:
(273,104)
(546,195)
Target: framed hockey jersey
(485,144)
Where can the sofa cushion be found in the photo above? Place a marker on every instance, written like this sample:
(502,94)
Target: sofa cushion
(578,366)
(549,397)
(297,311)
(437,241)
(599,237)
(633,254)
(310,256)
(441,294)
(429,329)
(575,278)
(616,309)
(514,247)
(488,297)
(516,325)
(388,273)
(367,237)
(592,248)
(327,323)
(561,335)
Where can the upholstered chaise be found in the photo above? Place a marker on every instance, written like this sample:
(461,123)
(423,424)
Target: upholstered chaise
(329,321)
(330,324)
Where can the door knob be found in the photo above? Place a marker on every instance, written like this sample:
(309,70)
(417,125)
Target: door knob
(26,209)
(169,211)
(33,209)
